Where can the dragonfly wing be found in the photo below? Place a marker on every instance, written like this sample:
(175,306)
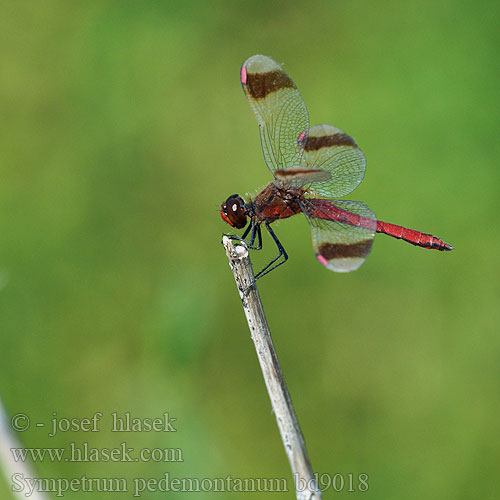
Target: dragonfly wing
(279,109)
(342,232)
(328,148)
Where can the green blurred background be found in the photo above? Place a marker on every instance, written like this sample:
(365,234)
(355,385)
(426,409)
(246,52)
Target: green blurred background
(123,128)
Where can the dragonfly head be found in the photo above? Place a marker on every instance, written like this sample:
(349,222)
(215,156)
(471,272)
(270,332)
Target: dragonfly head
(233,211)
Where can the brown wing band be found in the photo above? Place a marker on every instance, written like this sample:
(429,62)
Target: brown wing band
(260,85)
(338,250)
(325,141)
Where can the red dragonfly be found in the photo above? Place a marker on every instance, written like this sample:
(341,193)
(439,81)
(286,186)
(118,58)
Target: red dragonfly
(312,167)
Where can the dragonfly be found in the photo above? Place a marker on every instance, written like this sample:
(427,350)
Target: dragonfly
(312,168)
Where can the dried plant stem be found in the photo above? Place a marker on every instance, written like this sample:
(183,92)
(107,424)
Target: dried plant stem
(293,441)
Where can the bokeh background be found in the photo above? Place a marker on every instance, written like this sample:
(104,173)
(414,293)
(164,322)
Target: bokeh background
(123,128)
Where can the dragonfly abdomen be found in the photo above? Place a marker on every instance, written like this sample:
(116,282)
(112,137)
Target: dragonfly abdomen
(324,209)
(416,238)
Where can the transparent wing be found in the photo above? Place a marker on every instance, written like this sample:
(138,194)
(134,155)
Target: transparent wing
(279,109)
(342,232)
(328,148)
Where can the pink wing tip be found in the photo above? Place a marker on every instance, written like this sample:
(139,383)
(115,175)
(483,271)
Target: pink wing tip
(301,136)
(322,260)
(243,75)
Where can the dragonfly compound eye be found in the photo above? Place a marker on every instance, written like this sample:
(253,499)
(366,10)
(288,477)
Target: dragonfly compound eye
(233,211)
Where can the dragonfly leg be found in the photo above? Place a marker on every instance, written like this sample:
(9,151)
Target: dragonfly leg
(281,253)
(256,232)
(240,238)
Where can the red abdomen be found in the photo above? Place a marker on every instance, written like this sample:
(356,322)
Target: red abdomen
(323,209)
(411,236)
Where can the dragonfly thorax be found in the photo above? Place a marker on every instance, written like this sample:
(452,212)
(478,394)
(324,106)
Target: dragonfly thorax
(277,201)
